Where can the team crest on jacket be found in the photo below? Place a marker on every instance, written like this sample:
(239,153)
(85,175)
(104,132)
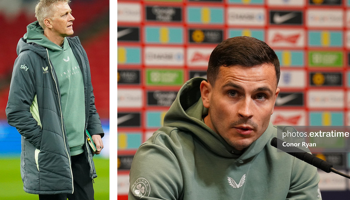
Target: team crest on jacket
(141,188)
(234,184)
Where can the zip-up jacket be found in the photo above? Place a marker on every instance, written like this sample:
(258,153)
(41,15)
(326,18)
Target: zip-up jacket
(34,108)
(186,160)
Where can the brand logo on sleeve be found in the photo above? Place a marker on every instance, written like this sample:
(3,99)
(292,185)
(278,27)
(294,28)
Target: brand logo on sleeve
(24,67)
(141,188)
(234,184)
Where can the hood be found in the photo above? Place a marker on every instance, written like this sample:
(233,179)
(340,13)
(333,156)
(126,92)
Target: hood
(186,114)
(35,34)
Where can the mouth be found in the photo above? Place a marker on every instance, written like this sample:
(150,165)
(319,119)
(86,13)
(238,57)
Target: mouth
(244,129)
(70,26)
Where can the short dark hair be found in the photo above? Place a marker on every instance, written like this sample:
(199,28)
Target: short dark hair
(243,50)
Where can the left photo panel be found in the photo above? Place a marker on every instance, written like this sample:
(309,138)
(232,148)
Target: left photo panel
(54,99)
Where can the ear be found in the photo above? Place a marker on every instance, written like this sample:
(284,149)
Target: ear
(274,102)
(206,89)
(48,23)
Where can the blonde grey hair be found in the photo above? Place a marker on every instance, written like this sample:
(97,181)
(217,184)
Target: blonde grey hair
(44,9)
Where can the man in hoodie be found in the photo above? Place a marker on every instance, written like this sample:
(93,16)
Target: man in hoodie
(215,142)
(51,103)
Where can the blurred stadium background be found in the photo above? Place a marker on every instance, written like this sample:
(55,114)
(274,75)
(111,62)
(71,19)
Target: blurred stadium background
(92,26)
(163,43)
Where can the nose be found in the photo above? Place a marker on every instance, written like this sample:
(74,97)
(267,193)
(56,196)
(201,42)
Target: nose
(71,17)
(245,109)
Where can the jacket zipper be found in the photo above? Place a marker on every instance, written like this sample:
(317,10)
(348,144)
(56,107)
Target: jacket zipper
(64,137)
(91,171)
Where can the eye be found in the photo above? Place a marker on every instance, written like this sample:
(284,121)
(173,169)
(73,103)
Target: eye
(261,96)
(232,93)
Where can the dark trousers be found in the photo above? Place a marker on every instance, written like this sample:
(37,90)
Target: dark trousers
(83,188)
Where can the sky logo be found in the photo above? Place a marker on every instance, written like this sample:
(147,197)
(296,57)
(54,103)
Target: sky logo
(129,55)
(129,141)
(164,35)
(256,33)
(205,15)
(326,119)
(290,58)
(326,38)
(155,119)
(247,1)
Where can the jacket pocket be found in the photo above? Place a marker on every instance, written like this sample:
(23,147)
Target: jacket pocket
(36,157)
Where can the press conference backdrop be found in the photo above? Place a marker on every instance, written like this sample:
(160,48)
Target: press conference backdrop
(163,43)
(93,30)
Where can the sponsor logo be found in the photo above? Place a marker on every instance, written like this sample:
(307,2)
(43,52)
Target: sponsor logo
(292,79)
(205,15)
(161,98)
(128,77)
(164,56)
(233,183)
(198,56)
(24,67)
(326,78)
(246,1)
(347,20)
(155,119)
(329,182)
(163,35)
(337,159)
(324,18)
(129,98)
(205,0)
(163,77)
(286,17)
(196,73)
(325,2)
(124,162)
(128,34)
(286,37)
(129,12)
(141,188)
(290,99)
(286,3)
(347,39)
(326,38)
(129,140)
(123,184)
(256,33)
(325,99)
(129,119)
(208,36)
(290,58)
(326,119)
(163,14)
(246,16)
(287,117)
(129,55)
(325,58)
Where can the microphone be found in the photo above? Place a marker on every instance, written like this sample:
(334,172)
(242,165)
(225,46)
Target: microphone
(306,157)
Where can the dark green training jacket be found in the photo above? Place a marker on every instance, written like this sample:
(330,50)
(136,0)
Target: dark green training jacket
(34,108)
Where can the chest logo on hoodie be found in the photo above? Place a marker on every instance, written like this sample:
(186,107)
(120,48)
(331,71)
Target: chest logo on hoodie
(234,184)
(45,69)
(66,60)
(24,67)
